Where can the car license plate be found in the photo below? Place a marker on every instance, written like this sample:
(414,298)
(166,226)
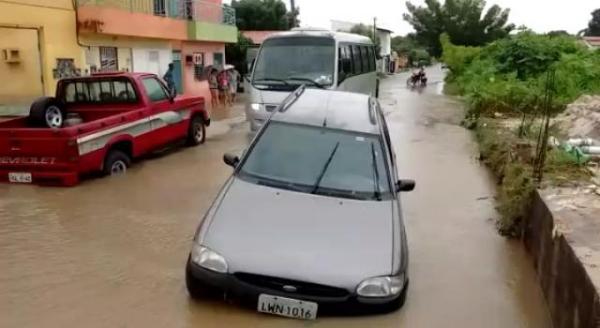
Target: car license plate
(19,177)
(287,307)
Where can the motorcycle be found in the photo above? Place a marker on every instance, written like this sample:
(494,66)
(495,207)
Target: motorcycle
(417,79)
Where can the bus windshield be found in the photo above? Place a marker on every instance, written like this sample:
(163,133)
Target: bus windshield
(296,60)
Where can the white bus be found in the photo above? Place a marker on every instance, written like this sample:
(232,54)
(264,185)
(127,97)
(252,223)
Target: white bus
(316,58)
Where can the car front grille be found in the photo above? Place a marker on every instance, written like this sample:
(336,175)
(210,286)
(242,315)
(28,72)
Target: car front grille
(302,288)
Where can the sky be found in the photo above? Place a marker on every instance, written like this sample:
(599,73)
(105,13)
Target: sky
(539,15)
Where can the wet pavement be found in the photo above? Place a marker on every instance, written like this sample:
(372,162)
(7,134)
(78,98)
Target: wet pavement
(111,252)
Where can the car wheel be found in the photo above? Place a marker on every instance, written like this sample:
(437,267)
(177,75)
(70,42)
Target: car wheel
(196,289)
(47,112)
(196,132)
(116,163)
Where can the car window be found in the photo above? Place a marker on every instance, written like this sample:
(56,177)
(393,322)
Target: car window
(76,92)
(96,91)
(154,89)
(294,156)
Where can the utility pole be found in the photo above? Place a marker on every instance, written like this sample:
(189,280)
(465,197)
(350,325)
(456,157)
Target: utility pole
(375,30)
(293,11)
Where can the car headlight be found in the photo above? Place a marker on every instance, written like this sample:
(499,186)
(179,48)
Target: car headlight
(255,107)
(381,286)
(208,259)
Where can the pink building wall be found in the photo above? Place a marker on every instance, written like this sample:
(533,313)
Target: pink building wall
(191,85)
(115,21)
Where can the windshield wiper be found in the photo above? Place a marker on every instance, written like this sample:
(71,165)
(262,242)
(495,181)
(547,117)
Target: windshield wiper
(305,79)
(267,79)
(375,172)
(324,169)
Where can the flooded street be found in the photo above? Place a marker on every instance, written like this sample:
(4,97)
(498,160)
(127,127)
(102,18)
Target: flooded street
(111,252)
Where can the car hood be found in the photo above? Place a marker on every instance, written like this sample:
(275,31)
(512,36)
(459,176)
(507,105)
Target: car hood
(299,236)
(271,97)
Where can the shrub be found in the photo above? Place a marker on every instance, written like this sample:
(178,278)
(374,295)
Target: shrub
(514,197)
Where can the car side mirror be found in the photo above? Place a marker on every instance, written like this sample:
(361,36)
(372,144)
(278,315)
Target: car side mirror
(231,159)
(405,185)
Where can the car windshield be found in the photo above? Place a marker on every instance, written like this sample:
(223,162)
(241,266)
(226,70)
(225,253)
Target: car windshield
(318,160)
(296,60)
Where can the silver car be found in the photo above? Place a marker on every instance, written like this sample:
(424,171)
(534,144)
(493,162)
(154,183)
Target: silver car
(311,216)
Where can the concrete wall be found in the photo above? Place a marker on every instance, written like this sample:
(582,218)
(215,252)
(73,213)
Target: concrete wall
(22,79)
(385,42)
(563,247)
(145,60)
(55,22)
(133,53)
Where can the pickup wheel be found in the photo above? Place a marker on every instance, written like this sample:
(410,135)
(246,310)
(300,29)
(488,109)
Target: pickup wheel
(116,163)
(47,112)
(196,131)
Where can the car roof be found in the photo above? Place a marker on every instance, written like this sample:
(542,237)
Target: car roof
(333,109)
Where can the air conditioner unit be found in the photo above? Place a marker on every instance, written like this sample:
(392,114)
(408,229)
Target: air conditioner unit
(11,55)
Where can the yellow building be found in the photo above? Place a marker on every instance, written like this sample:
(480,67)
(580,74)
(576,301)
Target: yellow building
(38,45)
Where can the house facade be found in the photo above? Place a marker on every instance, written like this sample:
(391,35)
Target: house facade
(384,37)
(38,45)
(148,35)
(42,41)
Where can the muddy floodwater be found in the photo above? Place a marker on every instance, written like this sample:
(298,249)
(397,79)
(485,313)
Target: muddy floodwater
(111,252)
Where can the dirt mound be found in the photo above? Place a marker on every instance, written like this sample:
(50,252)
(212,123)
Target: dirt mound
(581,118)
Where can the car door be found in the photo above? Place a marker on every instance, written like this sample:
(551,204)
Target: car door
(164,119)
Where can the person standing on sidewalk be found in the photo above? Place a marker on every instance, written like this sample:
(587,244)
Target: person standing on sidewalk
(234,80)
(213,84)
(223,79)
(168,77)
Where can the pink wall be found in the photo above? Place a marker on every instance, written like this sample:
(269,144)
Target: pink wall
(115,21)
(192,86)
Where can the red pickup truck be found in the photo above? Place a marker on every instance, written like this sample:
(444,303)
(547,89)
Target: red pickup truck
(97,124)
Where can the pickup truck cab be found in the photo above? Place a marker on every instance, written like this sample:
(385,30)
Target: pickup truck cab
(99,123)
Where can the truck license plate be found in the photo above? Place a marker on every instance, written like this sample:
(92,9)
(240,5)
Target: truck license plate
(287,307)
(19,177)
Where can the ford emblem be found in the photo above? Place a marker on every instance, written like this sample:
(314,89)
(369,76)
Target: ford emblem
(290,288)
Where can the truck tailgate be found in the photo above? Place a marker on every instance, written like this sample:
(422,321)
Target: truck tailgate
(46,155)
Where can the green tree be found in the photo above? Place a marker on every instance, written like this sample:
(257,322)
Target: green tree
(404,44)
(464,21)
(594,25)
(236,52)
(262,15)
(362,29)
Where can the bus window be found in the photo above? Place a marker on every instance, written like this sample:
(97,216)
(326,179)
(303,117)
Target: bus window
(356,60)
(372,59)
(365,58)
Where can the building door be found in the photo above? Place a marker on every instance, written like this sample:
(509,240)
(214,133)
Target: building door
(108,59)
(177,71)
(20,69)
(218,60)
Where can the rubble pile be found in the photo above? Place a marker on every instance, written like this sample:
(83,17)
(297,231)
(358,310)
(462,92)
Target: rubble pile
(581,119)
